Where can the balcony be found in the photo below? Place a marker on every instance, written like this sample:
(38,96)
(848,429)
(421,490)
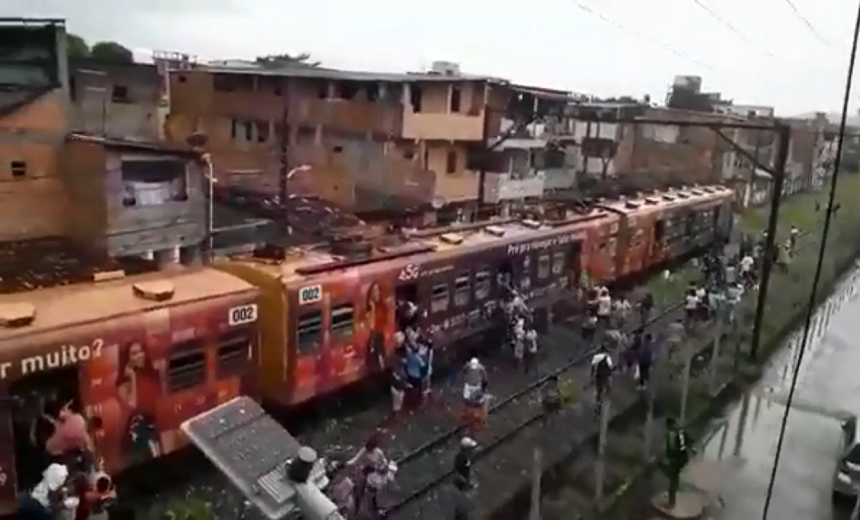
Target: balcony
(350,116)
(443,126)
(499,187)
(247,104)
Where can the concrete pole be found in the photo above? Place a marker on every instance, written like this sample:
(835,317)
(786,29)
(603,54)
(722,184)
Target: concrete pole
(537,471)
(600,469)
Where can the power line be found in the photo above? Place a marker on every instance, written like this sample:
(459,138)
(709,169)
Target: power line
(728,24)
(807,23)
(654,41)
(813,294)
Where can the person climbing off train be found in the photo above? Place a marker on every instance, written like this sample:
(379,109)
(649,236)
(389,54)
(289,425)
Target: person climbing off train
(71,435)
(416,370)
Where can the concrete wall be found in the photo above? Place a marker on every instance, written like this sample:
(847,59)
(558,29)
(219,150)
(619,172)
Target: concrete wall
(32,199)
(120,101)
(96,189)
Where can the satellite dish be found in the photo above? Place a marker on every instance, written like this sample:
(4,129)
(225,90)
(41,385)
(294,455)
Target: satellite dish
(197,140)
(438,202)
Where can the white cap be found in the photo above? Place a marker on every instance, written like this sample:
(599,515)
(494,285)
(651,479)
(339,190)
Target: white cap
(474,363)
(468,442)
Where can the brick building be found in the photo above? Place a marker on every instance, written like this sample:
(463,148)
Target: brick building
(368,142)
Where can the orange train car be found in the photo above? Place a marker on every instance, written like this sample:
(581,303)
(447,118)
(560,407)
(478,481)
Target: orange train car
(327,320)
(141,354)
(659,227)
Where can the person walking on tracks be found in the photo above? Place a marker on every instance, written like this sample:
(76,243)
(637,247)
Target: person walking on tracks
(677,456)
(601,376)
(463,463)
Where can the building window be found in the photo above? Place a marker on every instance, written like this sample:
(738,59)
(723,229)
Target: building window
(234,128)
(154,182)
(249,131)
(455,100)
(415,97)
(119,94)
(19,169)
(451,162)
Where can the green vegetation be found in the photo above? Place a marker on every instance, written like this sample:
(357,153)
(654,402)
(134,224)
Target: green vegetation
(105,52)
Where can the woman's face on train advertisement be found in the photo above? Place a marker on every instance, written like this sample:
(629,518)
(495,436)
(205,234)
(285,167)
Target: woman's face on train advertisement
(136,356)
(374,293)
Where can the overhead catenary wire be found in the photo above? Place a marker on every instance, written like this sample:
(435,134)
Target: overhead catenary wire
(642,36)
(727,24)
(813,294)
(807,23)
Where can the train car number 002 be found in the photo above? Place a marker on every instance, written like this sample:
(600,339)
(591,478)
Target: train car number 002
(310,294)
(242,314)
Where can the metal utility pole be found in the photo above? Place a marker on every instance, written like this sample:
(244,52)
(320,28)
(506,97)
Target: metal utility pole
(283,184)
(783,132)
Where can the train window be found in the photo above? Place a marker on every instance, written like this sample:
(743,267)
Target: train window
(343,320)
(462,290)
(232,354)
(543,267)
(309,331)
(483,284)
(558,261)
(186,367)
(439,298)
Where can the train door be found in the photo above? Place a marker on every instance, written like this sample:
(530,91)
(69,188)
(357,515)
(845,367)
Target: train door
(39,395)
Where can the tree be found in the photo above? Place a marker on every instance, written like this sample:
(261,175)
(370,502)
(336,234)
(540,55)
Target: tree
(111,52)
(76,47)
(286,60)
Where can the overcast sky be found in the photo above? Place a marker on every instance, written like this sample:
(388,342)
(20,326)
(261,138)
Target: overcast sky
(772,58)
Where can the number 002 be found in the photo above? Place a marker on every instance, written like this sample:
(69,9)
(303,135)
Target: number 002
(242,315)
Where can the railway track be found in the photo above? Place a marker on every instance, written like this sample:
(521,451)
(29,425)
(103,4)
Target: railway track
(518,426)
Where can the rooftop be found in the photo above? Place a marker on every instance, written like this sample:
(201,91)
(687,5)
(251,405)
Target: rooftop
(132,144)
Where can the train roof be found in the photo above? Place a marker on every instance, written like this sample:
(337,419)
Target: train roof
(54,308)
(666,199)
(298,264)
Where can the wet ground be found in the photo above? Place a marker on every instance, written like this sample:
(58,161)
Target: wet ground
(736,464)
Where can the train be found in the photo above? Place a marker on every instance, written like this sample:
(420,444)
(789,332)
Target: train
(141,353)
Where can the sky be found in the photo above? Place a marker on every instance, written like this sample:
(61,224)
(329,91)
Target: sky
(765,54)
